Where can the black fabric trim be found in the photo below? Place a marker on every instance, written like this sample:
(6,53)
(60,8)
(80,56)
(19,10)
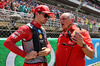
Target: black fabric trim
(36,40)
(23,46)
(44,37)
(27,41)
(35,37)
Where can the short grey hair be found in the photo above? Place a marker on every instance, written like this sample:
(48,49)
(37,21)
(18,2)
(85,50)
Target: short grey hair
(71,16)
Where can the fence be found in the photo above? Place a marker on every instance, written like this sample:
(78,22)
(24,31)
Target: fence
(52,26)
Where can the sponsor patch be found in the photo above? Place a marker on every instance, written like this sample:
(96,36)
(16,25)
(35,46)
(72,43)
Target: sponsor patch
(40,36)
(39,30)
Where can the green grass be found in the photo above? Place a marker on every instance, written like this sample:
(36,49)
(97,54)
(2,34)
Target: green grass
(97,64)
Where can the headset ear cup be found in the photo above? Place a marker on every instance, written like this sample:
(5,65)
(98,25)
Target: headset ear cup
(73,19)
(69,35)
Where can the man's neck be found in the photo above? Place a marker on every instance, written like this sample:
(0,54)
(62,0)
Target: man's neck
(37,20)
(68,27)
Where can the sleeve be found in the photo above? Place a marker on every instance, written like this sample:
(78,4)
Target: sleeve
(18,35)
(87,39)
(48,44)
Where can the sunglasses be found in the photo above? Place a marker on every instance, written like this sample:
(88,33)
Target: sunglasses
(45,15)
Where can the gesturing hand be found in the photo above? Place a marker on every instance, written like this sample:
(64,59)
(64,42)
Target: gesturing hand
(78,38)
(31,55)
(45,51)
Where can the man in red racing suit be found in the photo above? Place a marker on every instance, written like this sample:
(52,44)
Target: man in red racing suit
(72,53)
(24,33)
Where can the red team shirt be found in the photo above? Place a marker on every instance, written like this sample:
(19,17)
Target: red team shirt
(25,33)
(77,56)
(2,5)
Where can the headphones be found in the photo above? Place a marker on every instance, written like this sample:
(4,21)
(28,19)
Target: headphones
(69,33)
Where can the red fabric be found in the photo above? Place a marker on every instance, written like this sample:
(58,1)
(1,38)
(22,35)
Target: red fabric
(1,5)
(44,9)
(6,0)
(33,10)
(36,24)
(24,32)
(29,1)
(77,55)
(37,64)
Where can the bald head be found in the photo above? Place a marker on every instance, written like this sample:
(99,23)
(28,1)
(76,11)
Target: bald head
(66,19)
(69,15)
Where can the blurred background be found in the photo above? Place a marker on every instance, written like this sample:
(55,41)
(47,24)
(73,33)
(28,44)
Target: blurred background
(88,15)
(15,13)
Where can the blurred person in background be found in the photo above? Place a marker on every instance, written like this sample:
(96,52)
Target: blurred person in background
(71,50)
(26,10)
(2,4)
(12,6)
(35,44)
(22,7)
(17,5)
(6,6)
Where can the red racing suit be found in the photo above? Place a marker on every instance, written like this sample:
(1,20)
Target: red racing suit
(25,33)
(68,56)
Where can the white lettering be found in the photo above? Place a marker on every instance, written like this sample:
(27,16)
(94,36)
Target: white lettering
(17,33)
(15,36)
(21,30)
(96,45)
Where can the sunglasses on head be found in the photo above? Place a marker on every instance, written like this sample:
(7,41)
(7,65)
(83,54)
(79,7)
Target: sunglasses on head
(45,15)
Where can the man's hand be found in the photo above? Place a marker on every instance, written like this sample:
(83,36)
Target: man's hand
(45,51)
(78,38)
(31,55)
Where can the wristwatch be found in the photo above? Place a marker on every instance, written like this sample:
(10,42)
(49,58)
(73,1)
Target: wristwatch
(84,46)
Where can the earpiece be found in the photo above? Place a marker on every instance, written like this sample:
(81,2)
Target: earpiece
(69,34)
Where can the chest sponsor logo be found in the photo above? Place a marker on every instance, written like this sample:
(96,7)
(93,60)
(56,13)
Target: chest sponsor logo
(40,36)
(39,30)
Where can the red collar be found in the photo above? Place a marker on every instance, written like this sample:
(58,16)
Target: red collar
(36,24)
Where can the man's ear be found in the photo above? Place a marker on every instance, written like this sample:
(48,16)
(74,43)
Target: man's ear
(36,13)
